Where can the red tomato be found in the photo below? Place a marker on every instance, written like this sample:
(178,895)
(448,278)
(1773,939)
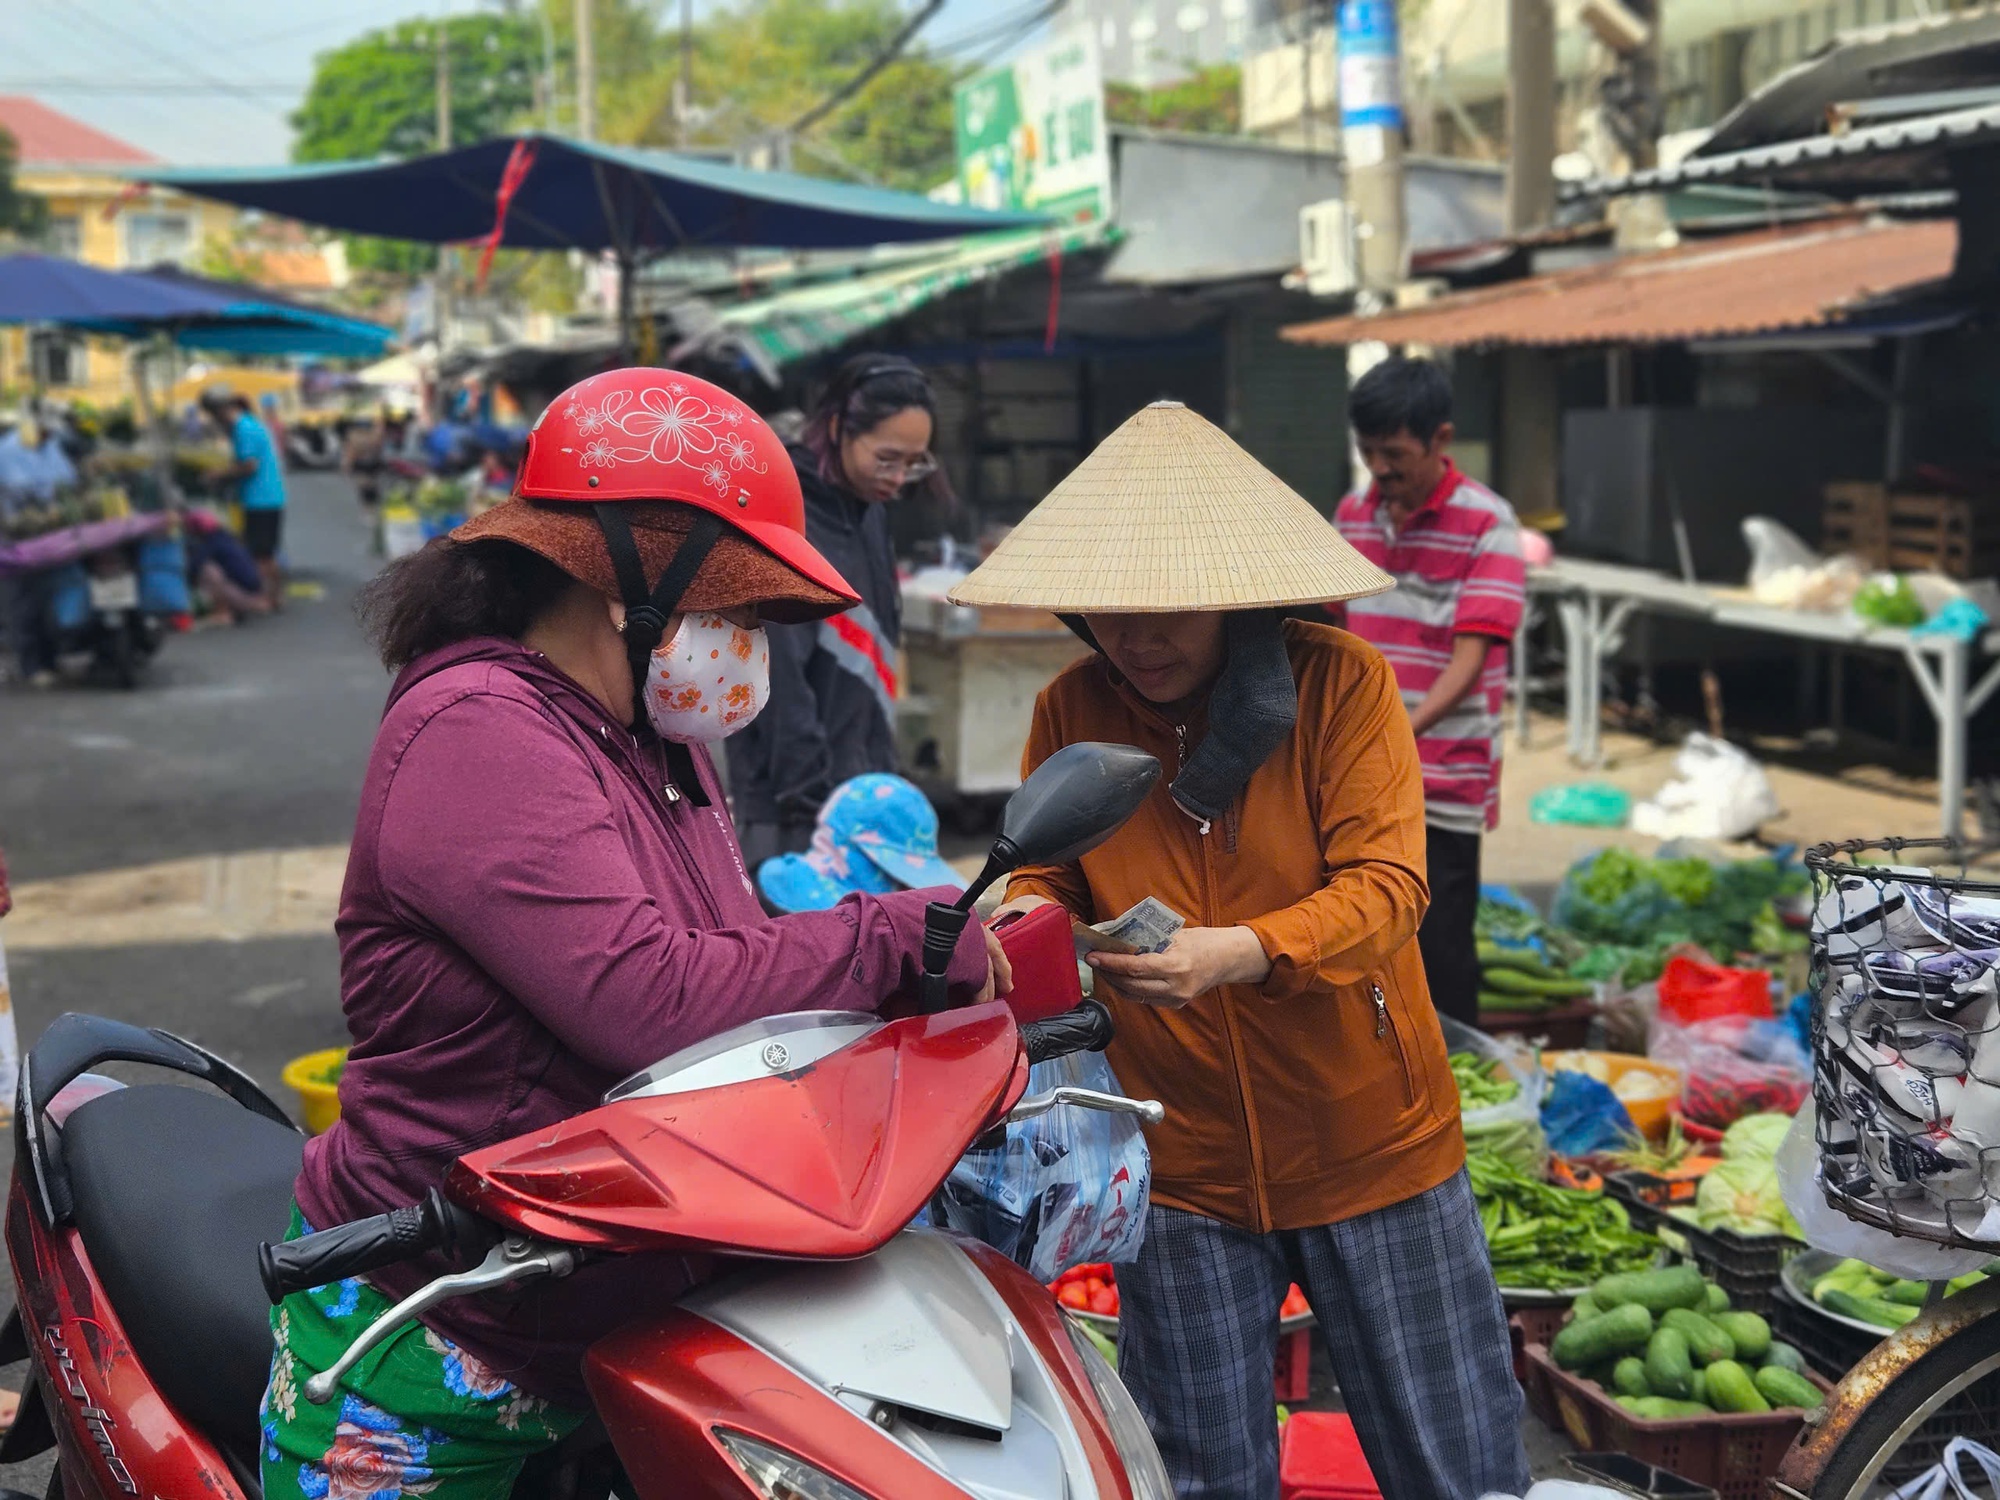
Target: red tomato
(1104,1301)
(1100,1269)
(1295,1304)
(1074,1296)
(1115,1300)
(1093,1285)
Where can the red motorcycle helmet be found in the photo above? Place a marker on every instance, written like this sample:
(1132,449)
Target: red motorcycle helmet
(650,434)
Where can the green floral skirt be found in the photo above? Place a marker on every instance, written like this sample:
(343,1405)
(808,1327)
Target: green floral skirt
(417,1416)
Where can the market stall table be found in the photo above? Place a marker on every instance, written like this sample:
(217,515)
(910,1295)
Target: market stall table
(1595,601)
(56,549)
(972,676)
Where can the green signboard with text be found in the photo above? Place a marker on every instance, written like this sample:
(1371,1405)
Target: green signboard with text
(1031,133)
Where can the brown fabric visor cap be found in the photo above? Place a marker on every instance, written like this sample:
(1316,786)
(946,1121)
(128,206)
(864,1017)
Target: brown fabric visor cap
(736,571)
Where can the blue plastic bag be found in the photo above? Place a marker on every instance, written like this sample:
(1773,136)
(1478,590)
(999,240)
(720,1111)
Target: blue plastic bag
(1069,1187)
(163,587)
(1581,1115)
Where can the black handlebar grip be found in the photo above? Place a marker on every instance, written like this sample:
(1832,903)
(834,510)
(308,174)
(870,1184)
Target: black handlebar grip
(1087,1028)
(943,926)
(366,1245)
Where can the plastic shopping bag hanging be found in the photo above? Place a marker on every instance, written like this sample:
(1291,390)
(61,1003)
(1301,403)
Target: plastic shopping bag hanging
(1068,1187)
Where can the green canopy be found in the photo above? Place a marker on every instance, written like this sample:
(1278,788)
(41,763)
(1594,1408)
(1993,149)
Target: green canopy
(800,322)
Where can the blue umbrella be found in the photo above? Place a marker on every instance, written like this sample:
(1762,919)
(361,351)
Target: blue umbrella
(48,289)
(193,311)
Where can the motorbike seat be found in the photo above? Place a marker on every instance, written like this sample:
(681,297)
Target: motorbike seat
(174,1188)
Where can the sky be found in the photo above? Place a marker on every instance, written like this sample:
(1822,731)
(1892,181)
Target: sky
(210,82)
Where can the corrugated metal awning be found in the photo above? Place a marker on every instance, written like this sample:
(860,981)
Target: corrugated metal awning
(1809,276)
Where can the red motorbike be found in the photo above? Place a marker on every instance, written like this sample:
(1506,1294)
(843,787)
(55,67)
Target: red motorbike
(841,1355)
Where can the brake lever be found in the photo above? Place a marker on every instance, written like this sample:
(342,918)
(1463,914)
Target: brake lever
(513,1259)
(1149,1110)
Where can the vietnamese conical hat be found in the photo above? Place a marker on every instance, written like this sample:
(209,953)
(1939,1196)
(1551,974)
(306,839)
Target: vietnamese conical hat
(1169,514)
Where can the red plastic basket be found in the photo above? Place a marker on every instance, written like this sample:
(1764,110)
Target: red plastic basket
(1320,1458)
(1737,1453)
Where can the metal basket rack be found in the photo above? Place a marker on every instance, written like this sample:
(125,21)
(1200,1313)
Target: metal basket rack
(1905,974)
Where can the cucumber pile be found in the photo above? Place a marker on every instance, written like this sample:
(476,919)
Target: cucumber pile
(1859,1291)
(1666,1345)
(1518,979)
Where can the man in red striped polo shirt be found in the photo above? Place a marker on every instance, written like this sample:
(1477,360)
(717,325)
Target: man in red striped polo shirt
(1454,548)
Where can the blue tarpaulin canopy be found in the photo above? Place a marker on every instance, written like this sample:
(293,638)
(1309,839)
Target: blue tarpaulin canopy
(575,195)
(193,311)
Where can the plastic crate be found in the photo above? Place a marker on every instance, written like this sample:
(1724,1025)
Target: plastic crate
(1533,1325)
(1735,1453)
(1626,1475)
(1564,1026)
(1320,1458)
(1746,1266)
(1833,1349)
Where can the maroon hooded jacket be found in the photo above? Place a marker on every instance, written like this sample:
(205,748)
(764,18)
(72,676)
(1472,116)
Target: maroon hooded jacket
(529,917)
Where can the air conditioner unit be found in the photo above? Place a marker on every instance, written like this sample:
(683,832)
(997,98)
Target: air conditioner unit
(1326,247)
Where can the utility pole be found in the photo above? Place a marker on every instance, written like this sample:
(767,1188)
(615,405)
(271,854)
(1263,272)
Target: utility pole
(1529,454)
(586,74)
(443,85)
(1371,132)
(1371,141)
(684,105)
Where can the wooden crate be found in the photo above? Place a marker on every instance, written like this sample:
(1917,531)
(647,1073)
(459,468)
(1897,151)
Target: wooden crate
(1855,519)
(1951,534)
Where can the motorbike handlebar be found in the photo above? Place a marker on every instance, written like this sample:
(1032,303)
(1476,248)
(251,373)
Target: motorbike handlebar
(1087,1028)
(369,1244)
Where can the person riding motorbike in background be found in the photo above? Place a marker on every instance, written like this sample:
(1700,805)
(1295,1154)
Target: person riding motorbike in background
(833,682)
(545,895)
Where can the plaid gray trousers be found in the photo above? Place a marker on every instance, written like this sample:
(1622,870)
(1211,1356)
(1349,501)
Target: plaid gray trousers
(1412,1321)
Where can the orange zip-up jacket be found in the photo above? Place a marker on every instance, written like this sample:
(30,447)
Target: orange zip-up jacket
(1325,1092)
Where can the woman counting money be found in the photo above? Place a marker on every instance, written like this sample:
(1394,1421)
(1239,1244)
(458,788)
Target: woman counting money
(1312,1130)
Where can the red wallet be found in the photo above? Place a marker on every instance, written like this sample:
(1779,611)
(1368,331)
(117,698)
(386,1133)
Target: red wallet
(1043,952)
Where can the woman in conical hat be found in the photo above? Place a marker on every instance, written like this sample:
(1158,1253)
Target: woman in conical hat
(1312,1130)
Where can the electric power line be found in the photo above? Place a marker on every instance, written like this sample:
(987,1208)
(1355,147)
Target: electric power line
(1006,27)
(881,60)
(168,59)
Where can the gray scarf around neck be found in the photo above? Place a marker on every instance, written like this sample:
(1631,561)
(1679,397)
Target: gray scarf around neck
(1253,706)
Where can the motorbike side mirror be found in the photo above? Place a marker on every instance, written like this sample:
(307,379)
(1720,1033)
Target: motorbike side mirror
(1074,801)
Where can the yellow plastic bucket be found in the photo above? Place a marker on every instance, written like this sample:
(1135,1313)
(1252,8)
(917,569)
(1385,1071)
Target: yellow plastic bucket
(319,1099)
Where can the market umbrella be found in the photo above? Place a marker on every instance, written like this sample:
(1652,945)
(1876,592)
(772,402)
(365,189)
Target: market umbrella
(255,320)
(49,289)
(548,192)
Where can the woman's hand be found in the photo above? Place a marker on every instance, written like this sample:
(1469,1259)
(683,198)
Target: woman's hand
(999,972)
(1198,960)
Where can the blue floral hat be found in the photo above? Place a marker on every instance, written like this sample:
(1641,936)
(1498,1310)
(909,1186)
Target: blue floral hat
(877,833)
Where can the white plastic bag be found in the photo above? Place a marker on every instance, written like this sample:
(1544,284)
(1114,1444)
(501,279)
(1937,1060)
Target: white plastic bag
(1786,573)
(1563,1489)
(1719,793)
(1827,1228)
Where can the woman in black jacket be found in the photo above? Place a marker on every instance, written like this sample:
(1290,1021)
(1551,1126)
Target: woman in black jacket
(833,684)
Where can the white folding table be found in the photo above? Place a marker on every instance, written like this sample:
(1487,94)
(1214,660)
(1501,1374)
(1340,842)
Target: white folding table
(1595,601)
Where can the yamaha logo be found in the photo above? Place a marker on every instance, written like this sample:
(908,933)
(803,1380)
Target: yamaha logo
(776,1057)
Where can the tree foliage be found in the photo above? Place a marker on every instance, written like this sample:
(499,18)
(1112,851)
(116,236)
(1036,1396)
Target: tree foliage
(21,213)
(377,95)
(760,66)
(1206,102)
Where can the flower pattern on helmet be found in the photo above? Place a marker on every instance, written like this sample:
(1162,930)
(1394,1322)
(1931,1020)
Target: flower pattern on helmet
(598,455)
(716,477)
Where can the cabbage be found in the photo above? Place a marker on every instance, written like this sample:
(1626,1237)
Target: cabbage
(1755,1137)
(1742,1194)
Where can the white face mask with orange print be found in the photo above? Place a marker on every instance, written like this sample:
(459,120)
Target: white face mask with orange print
(708,681)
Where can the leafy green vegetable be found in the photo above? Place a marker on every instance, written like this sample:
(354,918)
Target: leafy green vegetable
(1755,1137)
(1479,1081)
(1742,1195)
(1548,1237)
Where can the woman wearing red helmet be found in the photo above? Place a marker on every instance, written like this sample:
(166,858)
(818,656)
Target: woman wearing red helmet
(545,895)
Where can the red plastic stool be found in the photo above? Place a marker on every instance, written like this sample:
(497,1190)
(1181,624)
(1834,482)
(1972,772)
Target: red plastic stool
(1294,1382)
(1319,1458)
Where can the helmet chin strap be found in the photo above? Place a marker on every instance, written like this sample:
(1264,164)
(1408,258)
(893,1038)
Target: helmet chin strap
(646,615)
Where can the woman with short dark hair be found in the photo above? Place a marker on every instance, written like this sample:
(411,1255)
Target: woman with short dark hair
(833,683)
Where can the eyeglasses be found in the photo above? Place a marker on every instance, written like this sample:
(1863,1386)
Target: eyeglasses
(914,468)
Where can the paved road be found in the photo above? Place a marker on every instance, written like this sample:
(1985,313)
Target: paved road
(243,739)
